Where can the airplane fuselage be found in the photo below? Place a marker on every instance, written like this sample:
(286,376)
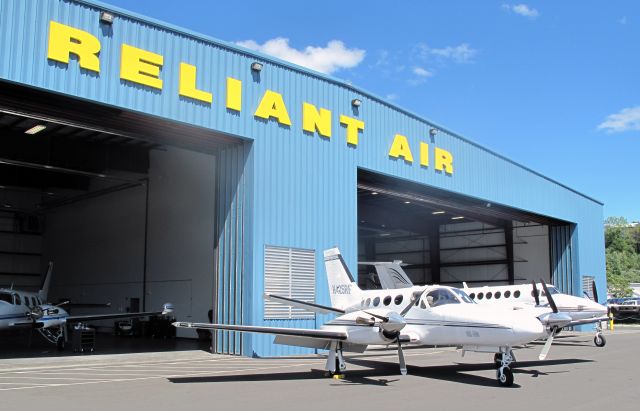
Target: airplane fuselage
(521,297)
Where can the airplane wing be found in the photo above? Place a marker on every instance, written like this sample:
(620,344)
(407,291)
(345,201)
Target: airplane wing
(587,321)
(297,332)
(316,308)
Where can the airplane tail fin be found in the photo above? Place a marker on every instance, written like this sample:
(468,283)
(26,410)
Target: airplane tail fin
(44,288)
(343,289)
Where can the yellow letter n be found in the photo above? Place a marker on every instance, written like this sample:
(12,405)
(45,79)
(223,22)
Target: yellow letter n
(313,120)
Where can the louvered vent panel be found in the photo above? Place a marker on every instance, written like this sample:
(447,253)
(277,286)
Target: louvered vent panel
(289,272)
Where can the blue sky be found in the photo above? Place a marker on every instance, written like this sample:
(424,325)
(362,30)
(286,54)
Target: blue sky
(553,85)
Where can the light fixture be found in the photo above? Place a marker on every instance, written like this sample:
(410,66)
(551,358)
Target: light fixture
(7,205)
(407,202)
(433,132)
(457,218)
(35,129)
(255,66)
(375,193)
(438,212)
(106,17)
(385,234)
(356,103)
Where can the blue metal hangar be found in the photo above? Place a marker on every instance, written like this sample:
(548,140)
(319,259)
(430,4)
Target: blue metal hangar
(154,164)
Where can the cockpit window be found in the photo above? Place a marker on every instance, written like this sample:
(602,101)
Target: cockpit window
(463,296)
(6,297)
(553,290)
(17,299)
(441,296)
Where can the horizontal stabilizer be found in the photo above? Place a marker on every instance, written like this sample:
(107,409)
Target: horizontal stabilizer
(316,308)
(300,332)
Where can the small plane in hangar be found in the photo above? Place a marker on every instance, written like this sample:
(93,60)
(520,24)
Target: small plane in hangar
(28,309)
(581,310)
(427,316)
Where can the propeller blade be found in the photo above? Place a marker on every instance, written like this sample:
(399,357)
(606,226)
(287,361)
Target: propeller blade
(552,303)
(547,347)
(414,297)
(403,365)
(535,292)
(63,303)
(595,291)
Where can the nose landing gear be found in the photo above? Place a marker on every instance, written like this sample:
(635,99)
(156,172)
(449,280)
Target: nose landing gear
(599,339)
(504,373)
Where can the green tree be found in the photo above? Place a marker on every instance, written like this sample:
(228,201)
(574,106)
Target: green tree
(622,244)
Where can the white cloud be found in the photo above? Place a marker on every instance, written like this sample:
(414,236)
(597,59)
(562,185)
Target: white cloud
(419,71)
(333,57)
(460,54)
(522,9)
(627,119)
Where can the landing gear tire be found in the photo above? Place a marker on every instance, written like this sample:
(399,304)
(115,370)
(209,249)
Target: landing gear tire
(60,343)
(505,377)
(599,340)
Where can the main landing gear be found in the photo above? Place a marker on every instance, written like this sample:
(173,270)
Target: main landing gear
(504,373)
(335,361)
(599,339)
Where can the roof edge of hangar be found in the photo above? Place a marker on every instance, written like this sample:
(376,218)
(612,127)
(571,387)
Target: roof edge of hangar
(239,49)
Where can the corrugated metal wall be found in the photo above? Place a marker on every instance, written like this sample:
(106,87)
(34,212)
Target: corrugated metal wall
(303,186)
(562,258)
(231,248)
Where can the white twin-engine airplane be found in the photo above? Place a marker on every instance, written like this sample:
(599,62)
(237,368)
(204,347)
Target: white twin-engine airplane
(581,310)
(432,315)
(29,309)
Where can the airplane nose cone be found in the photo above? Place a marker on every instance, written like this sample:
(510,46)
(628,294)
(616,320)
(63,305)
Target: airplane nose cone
(527,328)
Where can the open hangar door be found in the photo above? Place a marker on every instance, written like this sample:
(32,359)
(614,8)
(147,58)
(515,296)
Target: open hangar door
(122,203)
(447,238)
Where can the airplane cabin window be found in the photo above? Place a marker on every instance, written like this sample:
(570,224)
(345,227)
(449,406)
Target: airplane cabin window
(17,299)
(489,295)
(497,295)
(33,301)
(398,299)
(472,296)
(480,296)
(387,300)
(507,294)
(368,302)
(516,294)
(6,297)
(26,301)
(376,301)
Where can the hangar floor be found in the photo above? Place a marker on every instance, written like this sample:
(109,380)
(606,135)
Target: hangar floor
(19,344)
(438,379)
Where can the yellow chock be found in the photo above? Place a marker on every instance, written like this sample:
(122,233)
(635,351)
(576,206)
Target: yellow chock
(338,376)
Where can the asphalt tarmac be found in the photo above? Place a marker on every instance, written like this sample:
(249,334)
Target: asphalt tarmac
(575,376)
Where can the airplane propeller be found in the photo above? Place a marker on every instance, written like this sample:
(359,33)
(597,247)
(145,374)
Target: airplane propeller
(392,324)
(594,290)
(535,292)
(554,308)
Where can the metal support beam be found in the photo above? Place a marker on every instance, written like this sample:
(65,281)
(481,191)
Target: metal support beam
(434,249)
(508,236)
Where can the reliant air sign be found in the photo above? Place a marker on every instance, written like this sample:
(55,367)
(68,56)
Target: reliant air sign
(143,67)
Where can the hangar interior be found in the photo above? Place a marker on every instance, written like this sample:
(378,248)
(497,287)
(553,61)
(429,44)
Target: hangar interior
(123,204)
(447,238)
